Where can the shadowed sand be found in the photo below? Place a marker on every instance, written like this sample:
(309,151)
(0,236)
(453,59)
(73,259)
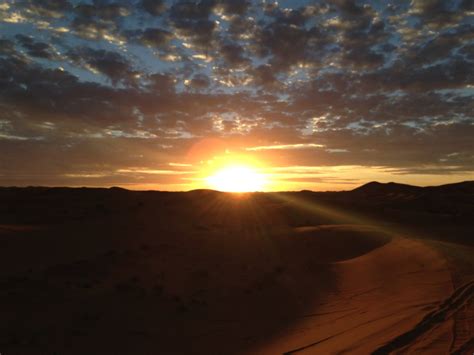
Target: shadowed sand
(205,273)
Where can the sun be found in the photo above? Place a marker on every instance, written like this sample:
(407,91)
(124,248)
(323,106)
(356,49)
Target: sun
(237,178)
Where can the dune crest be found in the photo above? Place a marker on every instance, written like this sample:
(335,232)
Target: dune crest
(380,296)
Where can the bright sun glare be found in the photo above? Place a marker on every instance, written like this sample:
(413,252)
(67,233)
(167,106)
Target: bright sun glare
(237,179)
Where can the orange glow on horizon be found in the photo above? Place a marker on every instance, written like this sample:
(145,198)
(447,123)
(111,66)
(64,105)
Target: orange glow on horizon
(237,178)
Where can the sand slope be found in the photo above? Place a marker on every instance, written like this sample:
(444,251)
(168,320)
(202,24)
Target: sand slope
(205,273)
(317,290)
(380,295)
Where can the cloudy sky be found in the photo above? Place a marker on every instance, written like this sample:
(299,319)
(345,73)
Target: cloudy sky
(316,94)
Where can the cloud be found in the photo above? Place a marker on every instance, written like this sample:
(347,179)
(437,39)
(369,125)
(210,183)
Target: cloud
(151,171)
(92,29)
(199,81)
(233,55)
(37,49)
(105,11)
(153,7)
(89,88)
(286,146)
(161,83)
(7,47)
(99,21)
(231,7)
(288,43)
(437,14)
(155,37)
(191,21)
(242,28)
(111,64)
(47,8)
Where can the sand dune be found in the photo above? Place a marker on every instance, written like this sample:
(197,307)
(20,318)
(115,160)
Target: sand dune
(379,296)
(205,273)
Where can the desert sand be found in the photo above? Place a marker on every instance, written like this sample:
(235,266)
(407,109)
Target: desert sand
(109,271)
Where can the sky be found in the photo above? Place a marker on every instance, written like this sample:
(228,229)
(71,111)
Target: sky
(319,95)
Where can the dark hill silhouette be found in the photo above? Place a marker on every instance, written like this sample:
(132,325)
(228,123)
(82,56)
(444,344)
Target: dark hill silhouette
(375,187)
(465,187)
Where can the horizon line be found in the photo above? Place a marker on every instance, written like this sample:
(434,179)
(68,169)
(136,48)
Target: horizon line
(231,192)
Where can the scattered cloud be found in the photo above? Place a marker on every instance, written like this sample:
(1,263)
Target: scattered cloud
(125,84)
(286,146)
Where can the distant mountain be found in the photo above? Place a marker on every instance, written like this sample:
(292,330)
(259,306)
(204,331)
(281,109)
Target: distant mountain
(378,188)
(465,187)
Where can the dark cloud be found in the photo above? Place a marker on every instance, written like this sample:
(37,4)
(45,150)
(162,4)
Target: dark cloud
(468,52)
(161,83)
(102,11)
(111,64)
(153,7)
(47,8)
(232,7)
(241,28)
(440,46)
(7,47)
(199,81)
(90,28)
(191,20)
(362,57)
(466,5)
(264,75)
(37,49)
(99,20)
(154,37)
(288,44)
(438,14)
(234,55)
